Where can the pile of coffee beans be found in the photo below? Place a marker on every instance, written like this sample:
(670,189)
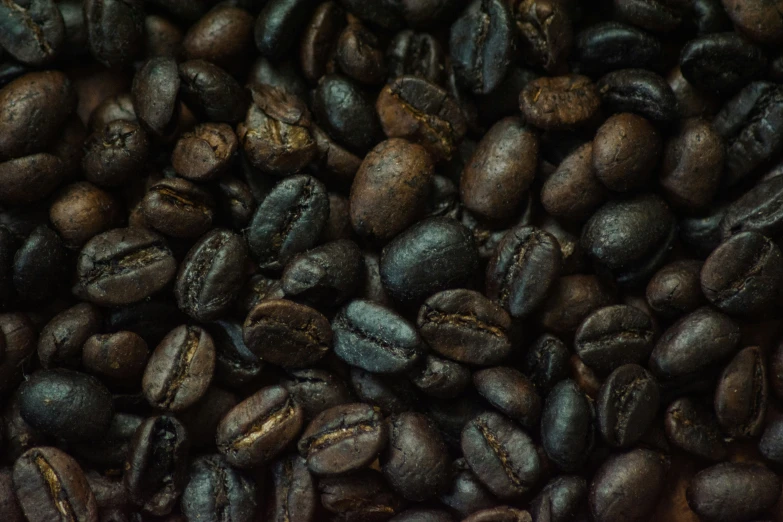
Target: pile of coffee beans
(391,260)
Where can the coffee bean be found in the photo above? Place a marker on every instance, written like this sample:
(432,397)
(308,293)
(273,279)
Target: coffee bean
(211,91)
(33,34)
(438,377)
(81,211)
(733,491)
(423,515)
(316,390)
(703,232)
(567,426)
(319,39)
(625,152)
(115,153)
(559,103)
(771,442)
(420,111)
(384,13)
(288,221)
(638,90)
(19,336)
(342,439)
(235,201)
(375,338)
(755,20)
(385,392)
(501,455)
(656,15)
(61,340)
(40,265)
(178,208)
(151,320)
(721,62)
(573,191)
(626,487)
(67,404)
(293,496)
(435,254)
(111,450)
(346,113)
(118,107)
(359,496)
(215,492)
(759,209)
(546,362)
(259,428)
(276,25)
(545,31)
(115,30)
(571,299)
(201,420)
(499,514)
(511,392)
(8,501)
(675,289)
(481,44)
(390,189)
(119,358)
(258,288)
(325,276)
(50,485)
(359,55)
(155,90)
(614,335)
(286,333)
(333,161)
(205,153)
(741,394)
(627,404)
(223,36)
(416,54)
(692,427)
(466,494)
(560,500)
(608,46)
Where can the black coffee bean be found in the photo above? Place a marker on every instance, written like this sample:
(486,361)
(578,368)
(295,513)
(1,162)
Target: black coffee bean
(40,266)
(721,62)
(211,91)
(388,393)
(112,448)
(31,32)
(771,442)
(703,232)
(692,427)
(546,362)
(217,492)
(235,364)
(741,394)
(115,30)
(294,497)
(375,338)
(202,419)
(438,377)
(655,15)
(759,209)
(733,491)
(511,392)
(346,113)
(640,91)
(61,340)
(567,426)
(675,289)
(608,46)
(466,494)
(416,54)
(501,455)
(361,496)
(359,55)
(155,90)
(626,405)
(561,500)
(316,390)
(151,320)
(277,25)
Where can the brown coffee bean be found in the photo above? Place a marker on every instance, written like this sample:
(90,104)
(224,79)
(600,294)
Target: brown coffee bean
(29,178)
(511,393)
(756,20)
(570,300)
(390,189)
(573,192)
(155,95)
(115,30)
(180,369)
(359,55)
(286,333)
(235,200)
(81,211)
(626,405)
(545,28)
(162,37)
(118,358)
(178,208)
(212,92)
(205,153)
(333,161)
(692,427)
(626,149)
(319,39)
(360,496)
(416,54)
(117,107)
(741,394)
(505,157)
(115,153)
(733,491)
(223,36)
(675,289)
(61,340)
(560,102)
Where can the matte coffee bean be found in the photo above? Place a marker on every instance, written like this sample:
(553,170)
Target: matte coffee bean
(217,492)
(61,340)
(608,46)
(675,289)
(420,111)
(466,494)
(115,30)
(223,36)
(333,160)
(205,153)
(501,455)
(342,439)
(545,32)
(325,276)
(692,427)
(118,107)
(385,392)
(276,25)
(178,208)
(741,394)
(614,335)
(8,502)
(506,156)
(625,152)
(375,338)
(115,153)
(20,337)
(416,54)
(67,404)
(721,62)
(573,192)
(560,500)
(81,211)
(235,200)
(560,102)
(155,90)
(390,189)
(359,54)
(156,466)
(626,405)
(759,209)
(50,485)
(733,491)
(211,275)
(416,463)
(360,496)
(465,326)
(33,34)
(626,487)
(703,231)
(638,90)
(511,392)
(435,254)
(30,178)
(526,264)
(567,426)
(653,16)
(316,390)
(40,265)
(546,362)
(346,113)
(499,514)
(441,378)
(288,221)
(180,369)
(119,358)
(771,442)
(293,496)
(743,274)
(756,20)
(481,44)
(257,429)
(211,91)
(570,300)
(258,288)
(699,341)
(286,333)
(201,420)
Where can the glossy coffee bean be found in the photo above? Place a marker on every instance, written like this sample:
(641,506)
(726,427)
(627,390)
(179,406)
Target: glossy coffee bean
(327,275)
(638,90)
(560,500)
(741,394)
(692,427)
(223,36)
(115,30)
(119,358)
(179,369)
(216,491)
(211,275)
(721,62)
(559,103)
(346,113)
(614,335)
(362,495)
(573,191)
(416,54)
(50,485)
(61,340)
(567,426)
(115,153)
(375,338)
(205,153)
(733,491)
(625,152)
(626,405)
(342,439)
(212,92)
(610,45)
(259,428)
(675,289)
(178,208)
(286,333)
(156,466)
(511,392)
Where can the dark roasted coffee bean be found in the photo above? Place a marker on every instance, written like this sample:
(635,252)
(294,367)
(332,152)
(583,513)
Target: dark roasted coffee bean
(288,221)
(67,404)
(115,153)
(721,62)
(110,494)
(567,426)
(333,162)
(61,340)
(216,492)
(33,32)
(277,25)
(546,362)
(151,319)
(346,113)
(743,274)
(155,91)
(441,378)
(756,20)
(19,336)
(499,514)
(50,485)
(388,393)
(433,255)
(319,39)
(111,450)
(211,91)
(118,107)
(235,364)
(501,455)
(423,515)
(570,300)
(655,15)
(178,208)
(119,358)
(29,178)
(40,265)
(293,495)
(741,394)
(205,153)
(573,191)
(771,443)
(235,201)
(511,392)
(258,288)
(626,405)
(559,103)
(212,274)
(626,487)
(420,111)
(180,369)
(156,467)
(9,504)
(607,46)
(81,211)
(545,32)
(316,390)
(359,54)
(115,30)
(384,13)
(325,276)
(759,209)
(286,333)
(703,232)
(560,500)
(526,264)
(699,341)
(692,427)
(614,335)
(416,54)
(638,90)
(363,496)
(733,491)
(482,44)
(506,156)
(259,428)
(675,289)
(223,36)
(342,439)
(625,152)
(466,494)
(375,338)
(390,189)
